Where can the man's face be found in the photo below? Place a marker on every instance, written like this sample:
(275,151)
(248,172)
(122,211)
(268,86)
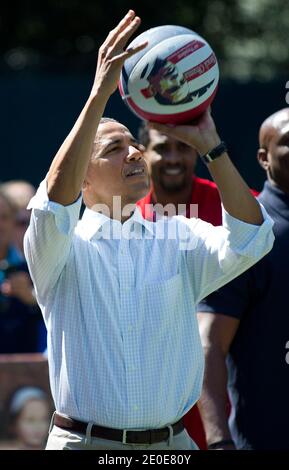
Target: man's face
(173,85)
(172,163)
(7,223)
(117,167)
(278,156)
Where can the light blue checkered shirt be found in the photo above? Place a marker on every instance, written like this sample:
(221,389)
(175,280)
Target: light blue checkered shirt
(123,341)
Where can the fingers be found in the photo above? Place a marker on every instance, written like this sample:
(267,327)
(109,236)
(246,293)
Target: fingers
(157,125)
(131,51)
(115,43)
(128,20)
(124,36)
(171,130)
(182,132)
(165,129)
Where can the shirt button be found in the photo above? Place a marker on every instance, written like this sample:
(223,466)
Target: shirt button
(135,407)
(129,328)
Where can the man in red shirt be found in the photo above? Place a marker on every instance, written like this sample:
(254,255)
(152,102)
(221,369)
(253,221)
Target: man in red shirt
(172,164)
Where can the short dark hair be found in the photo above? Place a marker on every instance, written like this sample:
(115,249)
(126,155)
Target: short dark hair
(103,120)
(108,119)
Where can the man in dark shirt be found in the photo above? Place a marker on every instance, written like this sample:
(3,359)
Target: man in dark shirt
(247,323)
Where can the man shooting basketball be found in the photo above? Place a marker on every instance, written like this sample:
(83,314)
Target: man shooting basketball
(125,357)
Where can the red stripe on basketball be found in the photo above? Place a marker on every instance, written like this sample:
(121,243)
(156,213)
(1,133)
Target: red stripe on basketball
(120,87)
(177,118)
(184,51)
(201,68)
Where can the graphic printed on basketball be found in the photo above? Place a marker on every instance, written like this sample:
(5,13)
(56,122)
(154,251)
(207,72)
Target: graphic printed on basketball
(174,79)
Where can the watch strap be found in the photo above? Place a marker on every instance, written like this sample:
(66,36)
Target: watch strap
(214,153)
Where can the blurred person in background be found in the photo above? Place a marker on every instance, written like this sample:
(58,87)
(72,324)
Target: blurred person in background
(29,415)
(245,325)
(20,192)
(20,316)
(171,166)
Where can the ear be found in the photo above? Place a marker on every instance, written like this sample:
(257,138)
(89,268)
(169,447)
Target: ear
(84,185)
(262,157)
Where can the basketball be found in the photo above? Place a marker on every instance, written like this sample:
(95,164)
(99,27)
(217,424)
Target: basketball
(173,80)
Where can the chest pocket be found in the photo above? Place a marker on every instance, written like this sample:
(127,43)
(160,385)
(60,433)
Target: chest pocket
(162,300)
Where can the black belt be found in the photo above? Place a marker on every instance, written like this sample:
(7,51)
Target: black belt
(149,436)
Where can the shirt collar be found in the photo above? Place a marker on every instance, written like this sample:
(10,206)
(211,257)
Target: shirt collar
(146,204)
(92,222)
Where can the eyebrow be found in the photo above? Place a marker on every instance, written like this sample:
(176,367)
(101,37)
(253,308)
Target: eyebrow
(108,142)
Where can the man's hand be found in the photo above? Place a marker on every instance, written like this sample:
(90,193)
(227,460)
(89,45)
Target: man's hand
(19,285)
(112,54)
(235,194)
(201,135)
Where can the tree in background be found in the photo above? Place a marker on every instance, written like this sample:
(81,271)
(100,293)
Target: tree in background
(250,37)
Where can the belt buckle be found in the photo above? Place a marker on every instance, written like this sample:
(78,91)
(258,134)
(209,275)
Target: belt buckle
(124,436)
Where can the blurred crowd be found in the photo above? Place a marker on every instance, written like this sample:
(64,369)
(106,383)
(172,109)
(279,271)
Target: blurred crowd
(22,329)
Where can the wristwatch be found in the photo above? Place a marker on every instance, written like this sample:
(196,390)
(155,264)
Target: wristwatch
(214,153)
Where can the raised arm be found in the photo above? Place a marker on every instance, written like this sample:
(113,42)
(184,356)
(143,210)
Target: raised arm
(235,194)
(68,169)
(56,206)
(219,254)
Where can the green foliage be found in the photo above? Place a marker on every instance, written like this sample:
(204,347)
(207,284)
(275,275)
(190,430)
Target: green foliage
(250,37)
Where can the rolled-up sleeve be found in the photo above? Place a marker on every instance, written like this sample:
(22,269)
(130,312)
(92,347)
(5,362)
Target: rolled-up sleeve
(250,240)
(48,239)
(222,253)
